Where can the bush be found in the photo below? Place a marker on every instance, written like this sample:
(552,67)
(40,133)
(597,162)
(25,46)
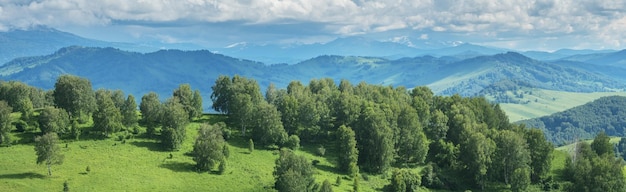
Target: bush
(315,162)
(405,180)
(222,167)
(226,151)
(338,181)
(293,142)
(321,151)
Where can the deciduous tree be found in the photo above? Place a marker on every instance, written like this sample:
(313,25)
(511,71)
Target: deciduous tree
(48,151)
(151,110)
(174,121)
(293,173)
(75,95)
(107,117)
(5,123)
(208,148)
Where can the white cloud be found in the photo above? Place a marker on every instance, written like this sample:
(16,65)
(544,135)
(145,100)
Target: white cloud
(595,20)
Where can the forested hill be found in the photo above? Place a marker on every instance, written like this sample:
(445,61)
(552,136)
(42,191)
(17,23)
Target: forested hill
(585,121)
(161,71)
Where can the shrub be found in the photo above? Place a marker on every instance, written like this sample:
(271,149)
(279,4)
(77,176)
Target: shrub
(321,151)
(293,142)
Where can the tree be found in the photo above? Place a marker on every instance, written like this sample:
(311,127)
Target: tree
(192,102)
(208,148)
(237,98)
(347,150)
(540,154)
(511,154)
(520,179)
(268,130)
(326,187)
(107,117)
(174,121)
(438,127)
(75,95)
(293,173)
(374,138)
(151,111)
(53,120)
(293,142)
(48,151)
(5,123)
(602,145)
(411,145)
(129,112)
(475,155)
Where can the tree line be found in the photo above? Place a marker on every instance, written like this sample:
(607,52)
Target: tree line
(463,142)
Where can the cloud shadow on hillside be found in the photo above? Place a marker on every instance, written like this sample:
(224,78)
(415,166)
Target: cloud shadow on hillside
(28,175)
(152,146)
(178,166)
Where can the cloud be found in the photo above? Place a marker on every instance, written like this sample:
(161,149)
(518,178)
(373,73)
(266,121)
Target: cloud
(595,20)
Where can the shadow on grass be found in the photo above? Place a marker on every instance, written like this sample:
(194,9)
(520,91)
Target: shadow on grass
(29,175)
(179,166)
(152,146)
(327,168)
(25,137)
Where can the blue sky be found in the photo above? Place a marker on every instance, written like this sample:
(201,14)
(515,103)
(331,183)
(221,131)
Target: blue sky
(514,24)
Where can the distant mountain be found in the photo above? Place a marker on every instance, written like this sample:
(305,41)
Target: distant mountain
(294,53)
(585,121)
(163,70)
(468,77)
(42,40)
(616,59)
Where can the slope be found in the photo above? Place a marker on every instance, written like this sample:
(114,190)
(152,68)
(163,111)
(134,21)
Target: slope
(585,121)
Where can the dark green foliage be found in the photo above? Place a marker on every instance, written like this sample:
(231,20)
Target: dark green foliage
(75,95)
(374,138)
(404,180)
(293,142)
(53,120)
(293,173)
(346,150)
(238,98)
(475,155)
(48,151)
(129,112)
(66,186)
(438,127)
(208,149)
(268,129)
(589,171)
(151,110)
(107,118)
(601,145)
(5,123)
(88,169)
(411,143)
(338,180)
(250,145)
(511,154)
(540,154)
(355,184)
(326,187)
(585,121)
(430,177)
(226,151)
(621,148)
(174,121)
(520,179)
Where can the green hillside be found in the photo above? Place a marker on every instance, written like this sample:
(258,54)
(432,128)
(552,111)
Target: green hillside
(140,165)
(583,122)
(542,102)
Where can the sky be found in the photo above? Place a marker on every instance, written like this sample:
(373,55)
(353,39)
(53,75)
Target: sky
(514,24)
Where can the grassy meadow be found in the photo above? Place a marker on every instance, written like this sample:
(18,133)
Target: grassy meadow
(139,164)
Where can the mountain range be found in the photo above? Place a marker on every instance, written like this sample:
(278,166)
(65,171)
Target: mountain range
(164,70)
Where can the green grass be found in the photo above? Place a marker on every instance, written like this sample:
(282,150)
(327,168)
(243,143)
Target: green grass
(141,165)
(549,102)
